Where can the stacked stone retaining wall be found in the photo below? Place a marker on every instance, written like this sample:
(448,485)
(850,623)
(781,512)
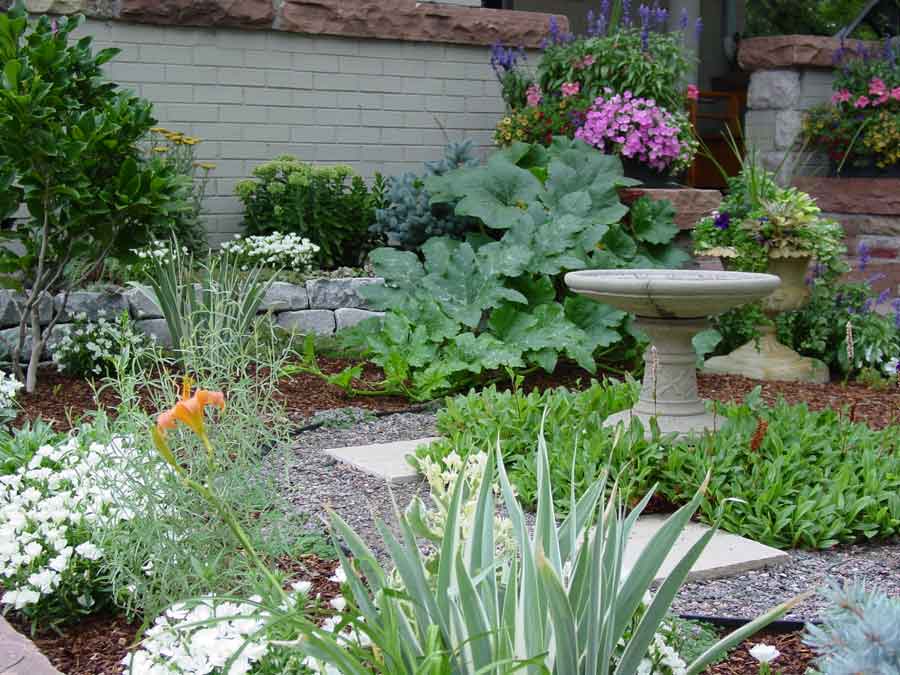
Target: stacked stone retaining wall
(320,306)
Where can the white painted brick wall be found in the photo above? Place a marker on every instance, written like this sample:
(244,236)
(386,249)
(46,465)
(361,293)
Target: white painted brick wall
(376,105)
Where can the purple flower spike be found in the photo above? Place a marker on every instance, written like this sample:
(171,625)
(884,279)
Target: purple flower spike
(864,256)
(626,13)
(591,24)
(662,16)
(683,22)
(883,297)
(644,12)
(698,29)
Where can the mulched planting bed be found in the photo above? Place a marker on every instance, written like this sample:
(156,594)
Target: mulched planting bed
(795,656)
(61,399)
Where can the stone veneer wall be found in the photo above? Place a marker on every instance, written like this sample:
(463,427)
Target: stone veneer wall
(789,75)
(320,306)
(379,85)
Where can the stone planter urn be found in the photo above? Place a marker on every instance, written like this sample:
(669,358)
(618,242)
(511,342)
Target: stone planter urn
(767,358)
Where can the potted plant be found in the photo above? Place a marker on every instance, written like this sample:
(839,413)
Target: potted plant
(763,226)
(859,129)
(628,70)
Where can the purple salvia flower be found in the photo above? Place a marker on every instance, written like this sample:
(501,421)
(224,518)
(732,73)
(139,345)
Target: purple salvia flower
(867,306)
(896,305)
(591,24)
(605,9)
(864,256)
(683,22)
(554,31)
(662,15)
(644,12)
(626,13)
(889,55)
(645,38)
(883,297)
(875,278)
(698,29)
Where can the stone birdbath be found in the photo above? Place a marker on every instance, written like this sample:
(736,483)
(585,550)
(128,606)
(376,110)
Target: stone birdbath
(671,306)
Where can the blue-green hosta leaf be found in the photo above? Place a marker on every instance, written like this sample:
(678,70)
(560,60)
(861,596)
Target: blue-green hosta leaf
(619,243)
(498,193)
(653,221)
(401,271)
(463,289)
(601,322)
(484,352)
(541,330)
(538,290)
(663,256)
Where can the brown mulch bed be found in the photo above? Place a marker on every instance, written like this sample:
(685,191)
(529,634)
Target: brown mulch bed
(61,399)
(878,408)
(795,656)
(95,645)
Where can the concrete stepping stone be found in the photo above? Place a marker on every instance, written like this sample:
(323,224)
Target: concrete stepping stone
(725,555)
(382,460)
(19,656)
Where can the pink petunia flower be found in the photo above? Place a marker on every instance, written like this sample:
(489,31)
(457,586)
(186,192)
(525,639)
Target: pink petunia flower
(862,102)
(877,87)
(692,92)
(842,96)
(570,89)
(534,96)
(895,93)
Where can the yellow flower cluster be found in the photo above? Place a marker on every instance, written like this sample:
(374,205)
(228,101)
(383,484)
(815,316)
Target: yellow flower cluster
(515,127)
(174,137)
(883,138)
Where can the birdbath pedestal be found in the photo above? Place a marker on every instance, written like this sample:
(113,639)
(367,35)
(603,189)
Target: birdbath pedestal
(671,306)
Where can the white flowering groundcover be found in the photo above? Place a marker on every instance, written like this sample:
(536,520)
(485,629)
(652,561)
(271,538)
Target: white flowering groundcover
(279,250)
(50,569)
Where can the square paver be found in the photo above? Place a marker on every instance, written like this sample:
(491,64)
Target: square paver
(384,460)
(725,555)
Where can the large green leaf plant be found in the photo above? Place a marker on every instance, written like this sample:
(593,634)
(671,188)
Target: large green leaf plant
(496,300)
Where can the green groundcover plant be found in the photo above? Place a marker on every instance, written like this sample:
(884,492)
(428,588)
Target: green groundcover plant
(783,475)
(469,309)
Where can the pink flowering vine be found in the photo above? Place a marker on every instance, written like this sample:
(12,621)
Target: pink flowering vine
(570,89)
(636,128)
(534,96)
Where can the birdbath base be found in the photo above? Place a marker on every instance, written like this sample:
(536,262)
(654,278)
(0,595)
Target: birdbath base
(669,390)
(769,360)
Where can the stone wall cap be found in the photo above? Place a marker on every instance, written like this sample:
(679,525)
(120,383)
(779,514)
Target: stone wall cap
(791,51)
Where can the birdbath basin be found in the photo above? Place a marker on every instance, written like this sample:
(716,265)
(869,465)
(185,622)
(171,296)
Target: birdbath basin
(671,306)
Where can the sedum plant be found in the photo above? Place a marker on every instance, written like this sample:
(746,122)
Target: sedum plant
(329,205)
(860,633)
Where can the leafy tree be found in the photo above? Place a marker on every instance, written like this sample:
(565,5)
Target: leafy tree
(820,17)
(70,160)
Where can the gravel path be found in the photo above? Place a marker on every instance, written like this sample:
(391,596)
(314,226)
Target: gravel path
(751,594)
(312,480)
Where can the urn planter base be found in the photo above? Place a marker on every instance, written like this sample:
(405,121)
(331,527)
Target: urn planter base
(771,361)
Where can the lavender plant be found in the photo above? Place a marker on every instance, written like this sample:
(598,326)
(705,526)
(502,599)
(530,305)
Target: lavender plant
(860,633)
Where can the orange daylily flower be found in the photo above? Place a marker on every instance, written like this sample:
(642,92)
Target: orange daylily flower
(189,409)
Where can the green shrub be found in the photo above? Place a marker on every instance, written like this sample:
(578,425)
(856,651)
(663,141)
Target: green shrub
(70,156)
(329,205)
(783,476)
(498,300)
